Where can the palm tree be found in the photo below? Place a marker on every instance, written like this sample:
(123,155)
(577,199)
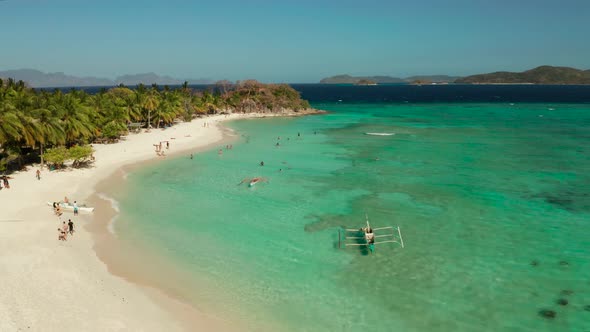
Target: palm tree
(150,103)
(51,129)
(10,124)
(76,119)
(170,107)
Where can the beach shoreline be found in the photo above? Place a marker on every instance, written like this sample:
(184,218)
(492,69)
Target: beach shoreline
(52,285)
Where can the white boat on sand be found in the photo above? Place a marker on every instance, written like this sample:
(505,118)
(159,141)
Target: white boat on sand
(70,207)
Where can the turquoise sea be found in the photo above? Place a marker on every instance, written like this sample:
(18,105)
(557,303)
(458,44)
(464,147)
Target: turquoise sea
(493,201)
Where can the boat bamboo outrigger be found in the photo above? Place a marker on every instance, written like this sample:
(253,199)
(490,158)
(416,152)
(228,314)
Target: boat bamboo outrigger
(369,237)
(70,207)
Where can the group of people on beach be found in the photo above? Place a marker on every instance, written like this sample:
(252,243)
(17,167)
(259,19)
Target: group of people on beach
(159,150)
(66,227)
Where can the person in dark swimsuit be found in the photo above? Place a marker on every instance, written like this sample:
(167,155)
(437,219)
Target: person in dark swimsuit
(71,226)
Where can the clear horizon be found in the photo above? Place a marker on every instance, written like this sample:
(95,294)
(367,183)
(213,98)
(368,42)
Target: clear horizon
(296,43)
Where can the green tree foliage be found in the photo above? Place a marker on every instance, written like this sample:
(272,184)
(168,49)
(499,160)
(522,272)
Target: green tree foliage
(79,154)
(56,156)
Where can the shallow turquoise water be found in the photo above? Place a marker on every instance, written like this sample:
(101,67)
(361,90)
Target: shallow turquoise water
(492,200)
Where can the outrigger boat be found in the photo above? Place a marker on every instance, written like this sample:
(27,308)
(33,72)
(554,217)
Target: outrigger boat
(369,237)
(70,207)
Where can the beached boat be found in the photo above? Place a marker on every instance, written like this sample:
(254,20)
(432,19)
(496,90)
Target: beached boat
(70,207)
(380,134)
(368,237)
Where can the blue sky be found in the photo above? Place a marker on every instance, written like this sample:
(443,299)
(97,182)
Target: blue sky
(292,41)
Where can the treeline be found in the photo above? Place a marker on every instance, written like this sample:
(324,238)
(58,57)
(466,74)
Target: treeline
(32,120)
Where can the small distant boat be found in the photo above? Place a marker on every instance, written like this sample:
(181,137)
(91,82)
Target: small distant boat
(70,207)
(254,181)
(380,134)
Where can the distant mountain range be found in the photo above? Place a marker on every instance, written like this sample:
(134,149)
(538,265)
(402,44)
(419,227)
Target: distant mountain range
(347,79)
(539,75)
(39,79)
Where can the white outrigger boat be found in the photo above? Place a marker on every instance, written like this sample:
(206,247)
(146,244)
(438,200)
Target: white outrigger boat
(70,207)
(369,237)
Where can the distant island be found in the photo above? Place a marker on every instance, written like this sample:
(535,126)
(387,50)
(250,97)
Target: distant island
(539,75)
(358,80)
(366,82)
(39,79)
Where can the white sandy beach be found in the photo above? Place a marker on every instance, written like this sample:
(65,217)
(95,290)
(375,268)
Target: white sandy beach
(50,285)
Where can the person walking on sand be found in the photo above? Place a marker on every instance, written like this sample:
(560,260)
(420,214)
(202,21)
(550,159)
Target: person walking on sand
(38,175)
(65,227)
(167,145)
(75,208)
(6,183)
(61,235)
(71,226)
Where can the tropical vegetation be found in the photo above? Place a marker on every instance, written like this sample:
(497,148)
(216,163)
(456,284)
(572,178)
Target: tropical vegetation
(32,121)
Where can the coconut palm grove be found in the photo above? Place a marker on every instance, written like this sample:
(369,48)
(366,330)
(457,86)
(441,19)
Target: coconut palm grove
(54,127)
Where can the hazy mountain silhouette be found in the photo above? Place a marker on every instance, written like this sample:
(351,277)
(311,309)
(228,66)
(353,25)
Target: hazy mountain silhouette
(39,79)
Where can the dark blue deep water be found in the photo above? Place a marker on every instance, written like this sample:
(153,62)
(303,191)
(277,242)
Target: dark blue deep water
(320,93)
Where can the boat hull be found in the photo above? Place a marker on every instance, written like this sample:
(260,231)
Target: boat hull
(70,207)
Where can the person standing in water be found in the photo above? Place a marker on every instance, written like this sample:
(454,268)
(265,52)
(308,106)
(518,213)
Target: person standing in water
(191,156)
